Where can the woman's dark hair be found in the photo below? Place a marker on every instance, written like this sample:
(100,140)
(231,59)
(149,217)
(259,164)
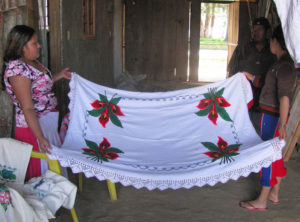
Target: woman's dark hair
(278,35)
(16,40)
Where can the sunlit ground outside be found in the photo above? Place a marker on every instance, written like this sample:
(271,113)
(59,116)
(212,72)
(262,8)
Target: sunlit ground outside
(212,65)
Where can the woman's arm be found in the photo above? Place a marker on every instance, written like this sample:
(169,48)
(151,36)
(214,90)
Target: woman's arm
(284,111)
(62,74)
(22,89)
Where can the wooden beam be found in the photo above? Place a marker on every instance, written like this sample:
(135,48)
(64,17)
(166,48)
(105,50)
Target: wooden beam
(194,40)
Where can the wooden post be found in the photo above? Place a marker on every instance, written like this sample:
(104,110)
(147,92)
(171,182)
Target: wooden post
(233,28)
(55,37)
(182,29)
(33,14)
(194,40)
(293,127)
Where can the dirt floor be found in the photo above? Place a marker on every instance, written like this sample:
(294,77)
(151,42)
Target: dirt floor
(217,203)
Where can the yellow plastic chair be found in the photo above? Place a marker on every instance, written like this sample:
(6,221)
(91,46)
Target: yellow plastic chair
(111,187)
(55,167)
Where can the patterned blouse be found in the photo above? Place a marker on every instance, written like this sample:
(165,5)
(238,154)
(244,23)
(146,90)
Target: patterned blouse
(43,98)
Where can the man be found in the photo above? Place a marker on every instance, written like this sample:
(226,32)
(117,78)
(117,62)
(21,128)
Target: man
(254,57)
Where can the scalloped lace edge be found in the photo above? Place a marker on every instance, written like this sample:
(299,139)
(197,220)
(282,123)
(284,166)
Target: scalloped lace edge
(104,174)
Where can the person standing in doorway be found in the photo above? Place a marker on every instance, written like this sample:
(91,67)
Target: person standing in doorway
(256,58)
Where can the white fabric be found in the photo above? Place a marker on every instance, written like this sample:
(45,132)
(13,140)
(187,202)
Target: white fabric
(19,202)
(14,159)
(53,190)
(289,13)
(49,126)
(162,137)
(24,210)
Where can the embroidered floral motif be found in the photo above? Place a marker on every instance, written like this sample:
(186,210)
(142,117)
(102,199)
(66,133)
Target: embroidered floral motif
(5,199)
(7,173)
(221,150)
(107,110)
(103,152)
(214,105)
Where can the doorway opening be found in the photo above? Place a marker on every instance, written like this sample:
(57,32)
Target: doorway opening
(213,51)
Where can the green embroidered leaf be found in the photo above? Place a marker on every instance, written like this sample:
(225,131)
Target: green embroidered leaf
(4,206)
(103,158)
(222,112)
(97,112)
(208,95)
(232,154)
(202,112)
(213,160)
(103,98)
(4,188)
(211,146)
(232,147)
(114,119)
(114,150)
(115,100)
(220,92)
(92,145)
(205,111)
(90,154)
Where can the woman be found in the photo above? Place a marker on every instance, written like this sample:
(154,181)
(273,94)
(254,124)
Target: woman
(29,85)
(274,102)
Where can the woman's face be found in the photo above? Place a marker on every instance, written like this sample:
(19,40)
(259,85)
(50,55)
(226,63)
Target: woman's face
(31,50)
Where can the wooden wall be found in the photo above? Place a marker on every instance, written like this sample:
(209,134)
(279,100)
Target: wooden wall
(157,38)
(93,59)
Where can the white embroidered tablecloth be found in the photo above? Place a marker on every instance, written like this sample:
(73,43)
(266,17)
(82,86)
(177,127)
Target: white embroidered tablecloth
(175,139)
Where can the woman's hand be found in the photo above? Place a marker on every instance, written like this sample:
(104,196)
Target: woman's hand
(282,132)
(248,75)
(44,144)
(63,74)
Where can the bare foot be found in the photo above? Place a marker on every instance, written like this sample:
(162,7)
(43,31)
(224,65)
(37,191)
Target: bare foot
(273,198)
(253,205)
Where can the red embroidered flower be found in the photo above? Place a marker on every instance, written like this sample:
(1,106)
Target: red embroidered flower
(204,103)
(103,152)
(221,150)
(214,105)
(104,118)
(98,104)
(116,110)
(90,151)
(107,110)
(222,144)
(213,115)
(222,102)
